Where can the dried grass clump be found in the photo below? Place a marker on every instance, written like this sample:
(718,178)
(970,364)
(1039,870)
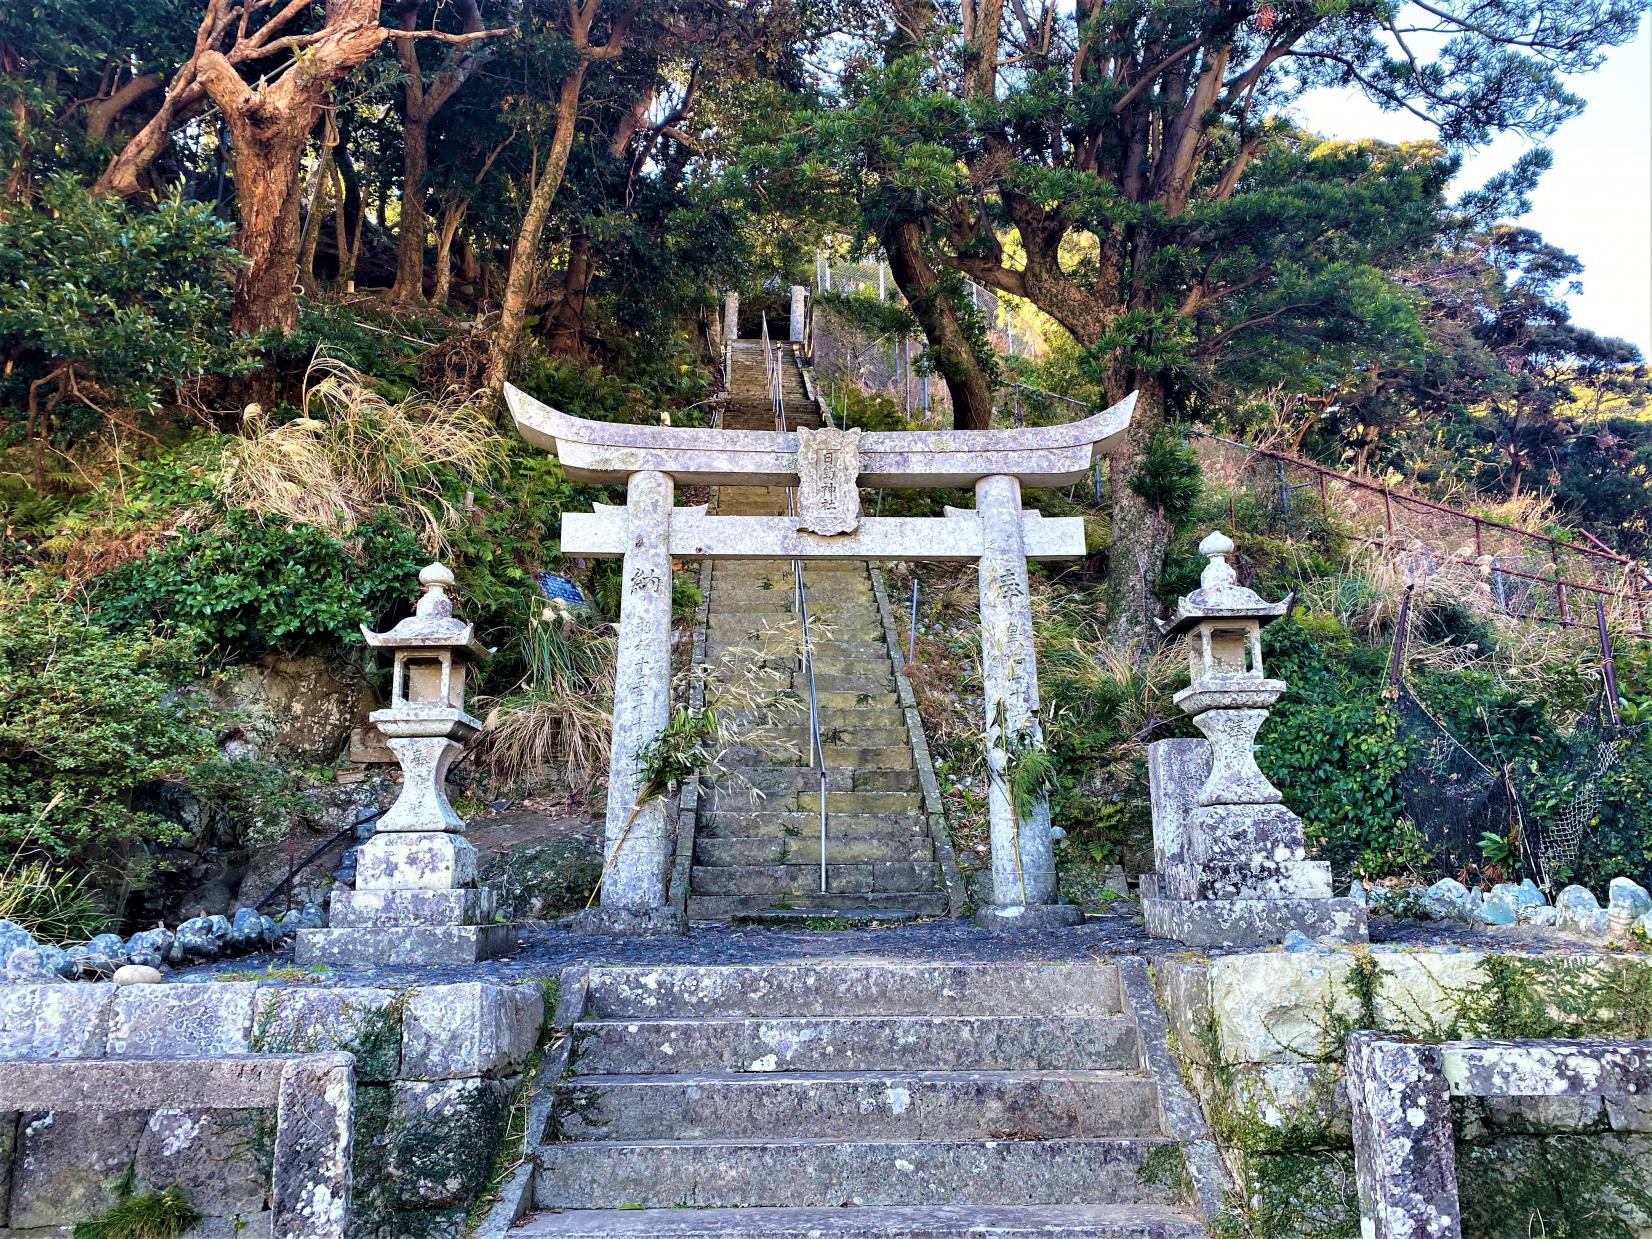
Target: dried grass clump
(560,713)
(354,450)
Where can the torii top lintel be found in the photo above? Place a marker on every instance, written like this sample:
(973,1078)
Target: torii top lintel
(610,452)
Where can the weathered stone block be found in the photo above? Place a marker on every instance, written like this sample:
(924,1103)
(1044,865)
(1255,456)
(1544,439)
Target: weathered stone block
(1277,1008)
(366,908)
(359,1021)
(450,1032)
(1176,769)
(1251,922)
(55,1021)
(219,1157)
(182,1021)
(66,1162)
(415,860)
(411,944)
(443,1139)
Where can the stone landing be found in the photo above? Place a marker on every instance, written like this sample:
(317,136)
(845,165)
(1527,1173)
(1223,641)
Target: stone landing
(862,1099)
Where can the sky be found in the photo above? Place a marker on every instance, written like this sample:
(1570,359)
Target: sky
(1595,202)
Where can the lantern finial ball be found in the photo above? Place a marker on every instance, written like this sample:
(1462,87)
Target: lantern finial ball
(1216,543)
(435,574)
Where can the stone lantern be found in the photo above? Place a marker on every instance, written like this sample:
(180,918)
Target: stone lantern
(416,898)
(1231,858)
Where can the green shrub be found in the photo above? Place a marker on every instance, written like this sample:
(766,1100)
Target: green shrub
(123,301)
(1168,476)
(88,718)
(1332,747)
(248,587)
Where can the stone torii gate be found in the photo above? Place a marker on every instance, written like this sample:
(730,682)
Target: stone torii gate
(828,467)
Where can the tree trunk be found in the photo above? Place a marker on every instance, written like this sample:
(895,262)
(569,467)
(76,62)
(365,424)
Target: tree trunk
(566,335)
(266,192)
(453,214)
(314,212)
(954,360)
(1141,534)
(525,252)
(351,216)
(410,234)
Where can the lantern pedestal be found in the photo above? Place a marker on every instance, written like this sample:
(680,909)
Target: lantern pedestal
(1231,859)
(416,900)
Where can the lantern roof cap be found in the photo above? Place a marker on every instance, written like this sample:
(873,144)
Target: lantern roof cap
(1220,596)
(432,625)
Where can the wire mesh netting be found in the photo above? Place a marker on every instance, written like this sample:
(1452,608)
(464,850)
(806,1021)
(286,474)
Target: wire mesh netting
(1450,795)
(1568,813)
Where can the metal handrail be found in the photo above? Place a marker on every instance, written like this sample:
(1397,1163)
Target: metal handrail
(817,749)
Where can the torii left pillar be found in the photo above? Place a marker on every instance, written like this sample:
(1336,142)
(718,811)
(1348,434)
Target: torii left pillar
(636,847)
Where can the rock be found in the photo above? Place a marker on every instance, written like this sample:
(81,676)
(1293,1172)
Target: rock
(1356,892)
(1502,906)
(85,963)
(137,974)
(1542,916)
(1644,926)
(269,932)
(1446,899)
(1470,910)
(1574,905)
(12,936)
(148,942)
(35,963)
(1626,903)
(1531,895)
(201,937)
(1596,928)
(307,917)
(1297,942)
(345,874)
(146,959)
(109,946)
(246,932)
(292,709)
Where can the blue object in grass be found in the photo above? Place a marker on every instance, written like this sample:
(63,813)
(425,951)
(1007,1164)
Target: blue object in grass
(554,586)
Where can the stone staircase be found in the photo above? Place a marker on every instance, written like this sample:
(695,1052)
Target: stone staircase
(760,856)
(872,1099)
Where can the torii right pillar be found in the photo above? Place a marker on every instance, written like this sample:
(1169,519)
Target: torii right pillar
(1231,858)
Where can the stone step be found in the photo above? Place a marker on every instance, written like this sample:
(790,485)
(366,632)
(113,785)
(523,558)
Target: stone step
(802,879)
(862,735)
(886,1222)
(923,1105)
(857,1043)
(878,679)
(740,628)
(898,905)
(804,849)
(861,802)
(792,752)
(793,711)
(870,987)
(771,780)
(841,827)
(660,1174)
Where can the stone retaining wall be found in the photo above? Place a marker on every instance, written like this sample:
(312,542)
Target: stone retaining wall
(436,1068)
(1262,1036)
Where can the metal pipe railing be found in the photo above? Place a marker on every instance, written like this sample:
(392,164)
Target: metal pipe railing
(817,750)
